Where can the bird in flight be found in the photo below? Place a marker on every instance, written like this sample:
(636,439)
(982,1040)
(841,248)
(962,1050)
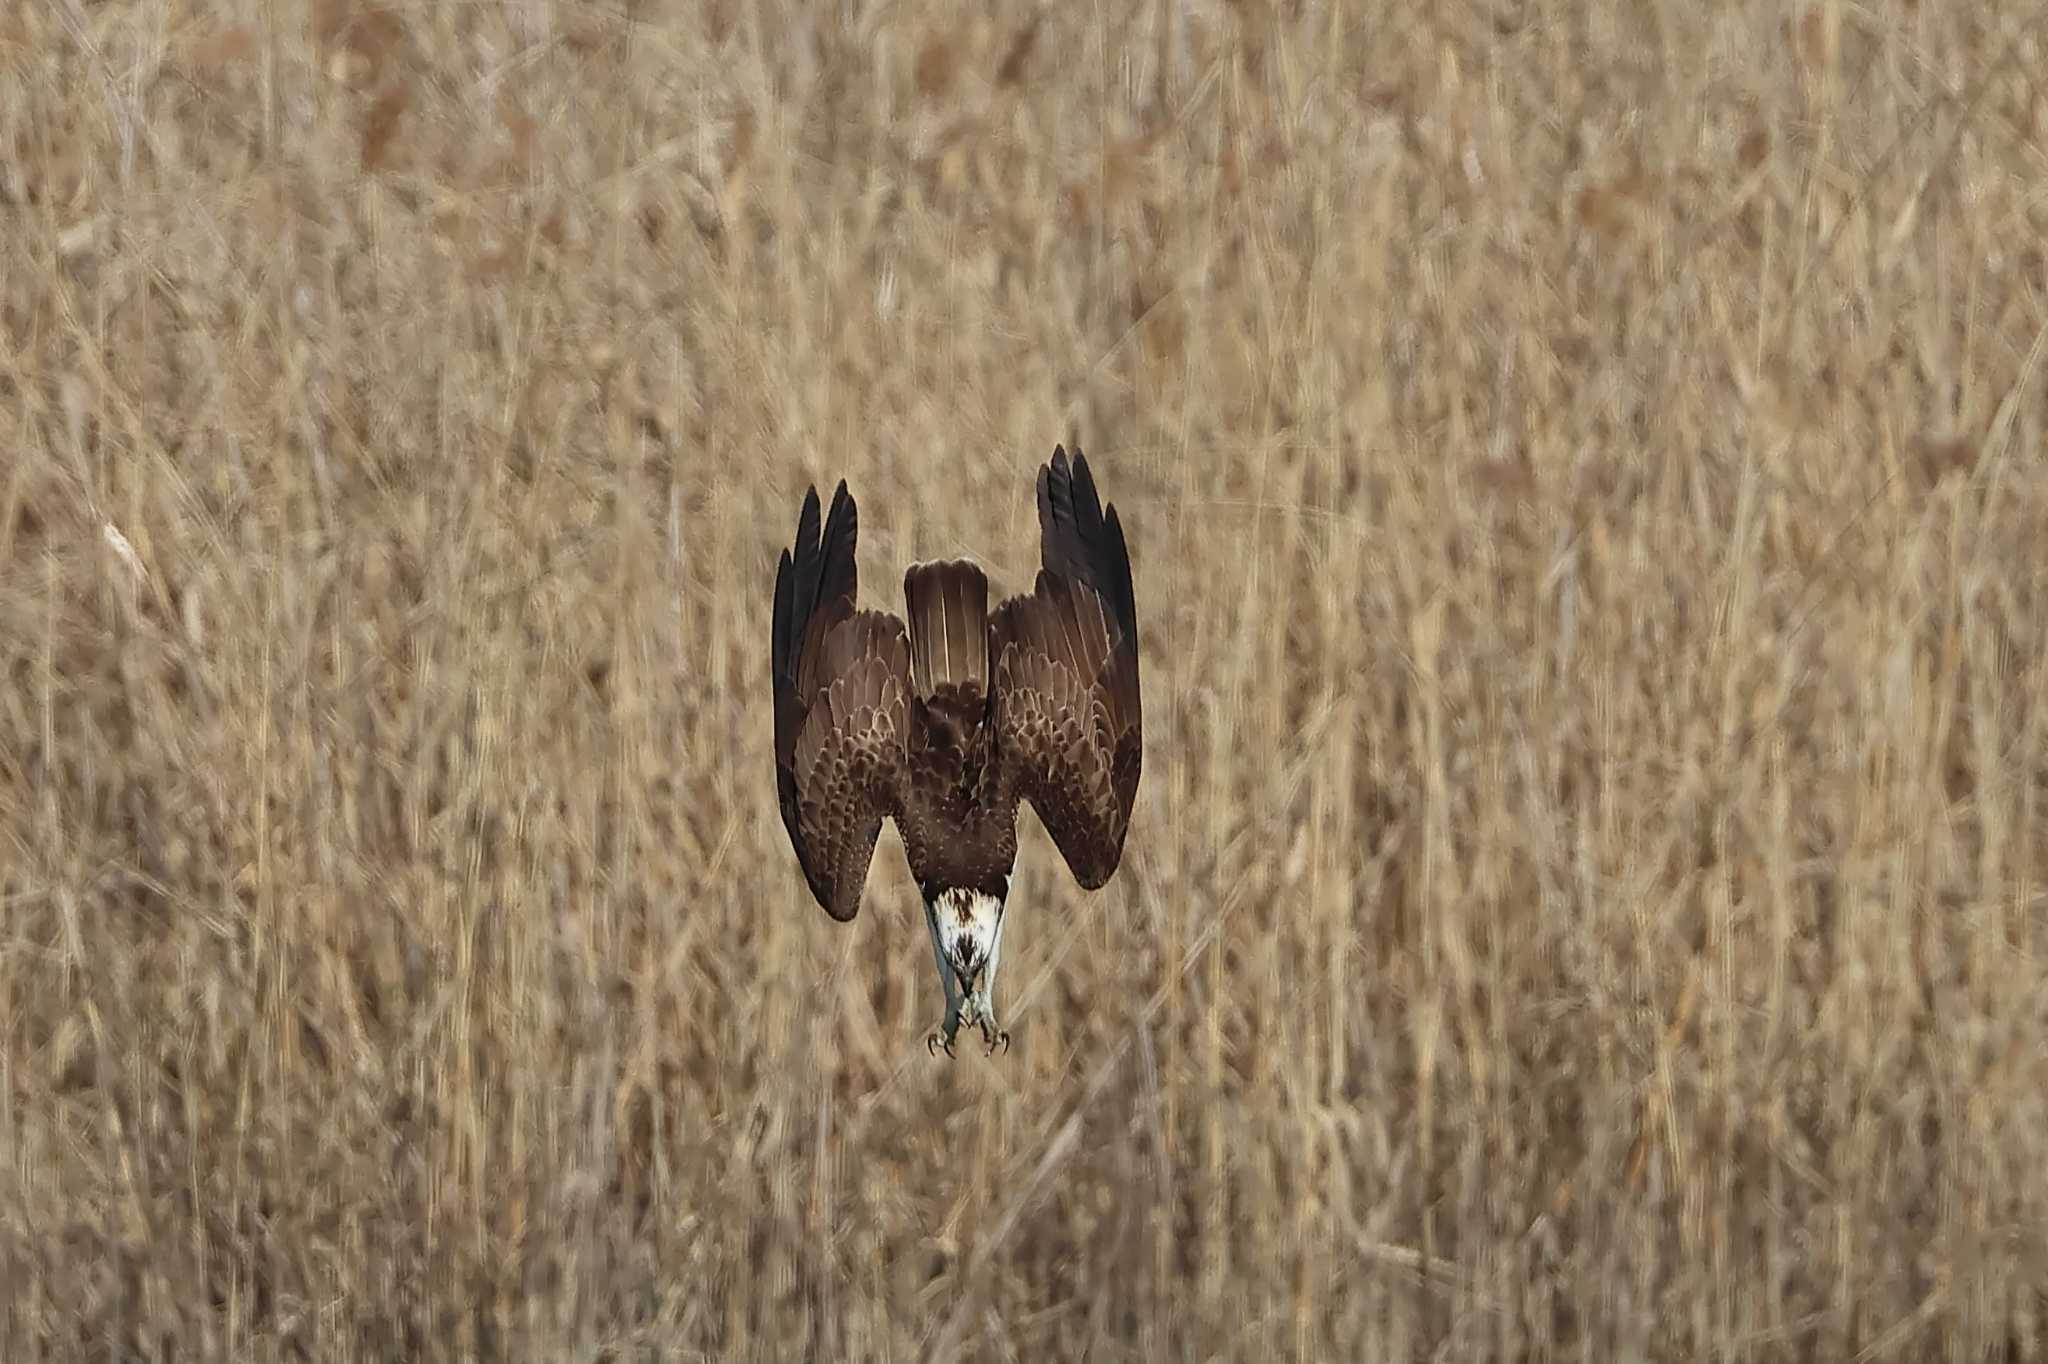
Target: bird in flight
(945,725)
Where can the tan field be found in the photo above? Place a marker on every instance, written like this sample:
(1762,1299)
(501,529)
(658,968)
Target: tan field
(1583,464)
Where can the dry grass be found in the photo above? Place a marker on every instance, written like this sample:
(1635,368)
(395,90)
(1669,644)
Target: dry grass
(1589,892)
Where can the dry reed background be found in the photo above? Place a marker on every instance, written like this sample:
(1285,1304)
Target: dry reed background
(1584,471)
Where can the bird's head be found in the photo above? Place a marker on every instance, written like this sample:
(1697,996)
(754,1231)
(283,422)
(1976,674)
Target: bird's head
(967,937)
(968,926)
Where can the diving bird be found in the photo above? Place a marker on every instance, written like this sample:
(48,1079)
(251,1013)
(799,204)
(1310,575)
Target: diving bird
(944,725)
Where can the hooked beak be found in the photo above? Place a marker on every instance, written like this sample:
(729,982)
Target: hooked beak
(967,970)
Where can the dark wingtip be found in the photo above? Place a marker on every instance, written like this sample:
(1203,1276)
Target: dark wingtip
(784,601)
(1087,502)
(805,552)
(807,521)
(818,567)
(844,517)
(1126,591)
(836,572)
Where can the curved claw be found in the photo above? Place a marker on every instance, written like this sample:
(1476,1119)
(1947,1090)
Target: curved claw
(933,1042)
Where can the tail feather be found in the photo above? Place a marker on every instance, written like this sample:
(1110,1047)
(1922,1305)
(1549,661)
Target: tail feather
(949,651)
(948,609)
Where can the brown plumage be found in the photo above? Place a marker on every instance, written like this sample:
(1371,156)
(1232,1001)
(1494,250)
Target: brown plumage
(842,688)
(947,724)
(1066,688)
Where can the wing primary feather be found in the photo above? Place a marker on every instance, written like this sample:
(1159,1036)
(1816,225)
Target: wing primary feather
(1087,506)
(1047,518)
(785,593)
(808,563)
(1058,545)
(1123,597)
(838,576)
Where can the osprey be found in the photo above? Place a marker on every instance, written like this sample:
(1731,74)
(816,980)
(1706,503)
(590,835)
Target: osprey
(946,725)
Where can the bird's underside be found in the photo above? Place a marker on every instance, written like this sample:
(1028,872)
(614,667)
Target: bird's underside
(946,722)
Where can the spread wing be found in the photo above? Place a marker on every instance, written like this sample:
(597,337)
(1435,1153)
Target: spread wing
(841,689)
(1066,676)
